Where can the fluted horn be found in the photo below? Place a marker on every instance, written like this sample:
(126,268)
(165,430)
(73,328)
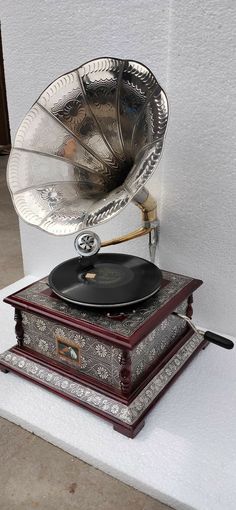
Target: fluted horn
(88,146)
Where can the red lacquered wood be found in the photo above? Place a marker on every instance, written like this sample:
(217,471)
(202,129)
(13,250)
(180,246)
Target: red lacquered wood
(128,393)
(70,398)
(116,338)
(4,369)
(125,429)
(203,345)
(19,330)
(157,367)
(189,311)
(74,374)
(125,373)
(129,430)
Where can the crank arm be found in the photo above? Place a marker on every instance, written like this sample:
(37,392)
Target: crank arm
(219,340)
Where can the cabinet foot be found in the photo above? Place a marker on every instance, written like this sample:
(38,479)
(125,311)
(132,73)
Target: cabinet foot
(129,430)
(4,370)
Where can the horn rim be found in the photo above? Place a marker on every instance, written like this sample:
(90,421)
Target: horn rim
(129,194)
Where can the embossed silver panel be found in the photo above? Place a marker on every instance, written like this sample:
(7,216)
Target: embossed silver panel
(98,359)
(96,400)
(88,145)
(39,294)
(157,343)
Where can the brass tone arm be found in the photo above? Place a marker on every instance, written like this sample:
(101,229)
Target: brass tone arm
(148,206)
(141,231)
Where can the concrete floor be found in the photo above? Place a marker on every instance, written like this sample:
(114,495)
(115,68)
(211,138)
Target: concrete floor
(34,473)
(10,251)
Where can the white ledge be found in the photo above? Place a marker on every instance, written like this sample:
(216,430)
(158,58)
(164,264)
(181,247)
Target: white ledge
(186,454)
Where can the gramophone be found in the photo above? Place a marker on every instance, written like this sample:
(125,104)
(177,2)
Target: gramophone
(84,151)
(109,331)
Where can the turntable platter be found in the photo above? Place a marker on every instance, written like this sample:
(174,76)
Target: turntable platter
(114,280)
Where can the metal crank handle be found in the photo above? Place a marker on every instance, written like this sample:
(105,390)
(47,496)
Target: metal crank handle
(219,340)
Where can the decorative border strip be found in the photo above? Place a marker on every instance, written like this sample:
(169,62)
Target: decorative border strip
(35,294)
(83,394)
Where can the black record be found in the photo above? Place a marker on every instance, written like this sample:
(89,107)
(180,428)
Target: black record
(114,280)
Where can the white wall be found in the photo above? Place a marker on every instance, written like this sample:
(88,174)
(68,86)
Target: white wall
(189,47)
(199,178)
(45,39)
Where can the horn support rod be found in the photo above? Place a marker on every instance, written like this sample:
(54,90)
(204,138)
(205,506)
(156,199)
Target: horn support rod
(147,203)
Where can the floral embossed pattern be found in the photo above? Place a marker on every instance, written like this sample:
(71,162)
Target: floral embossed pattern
(98,360)
(96,400)
(157,343)
(88,144)
(38,293)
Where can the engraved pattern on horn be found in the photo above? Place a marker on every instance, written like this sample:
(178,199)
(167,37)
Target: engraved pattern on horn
(87,146)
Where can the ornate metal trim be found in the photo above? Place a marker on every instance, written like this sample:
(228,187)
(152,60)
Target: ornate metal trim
(83,394)
(88,145)
(37,294)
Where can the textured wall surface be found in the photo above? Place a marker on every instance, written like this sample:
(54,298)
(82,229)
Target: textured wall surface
(189,46)
(42,40)
(199,179)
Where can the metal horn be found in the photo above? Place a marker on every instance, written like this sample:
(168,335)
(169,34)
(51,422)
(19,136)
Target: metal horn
(87,147)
